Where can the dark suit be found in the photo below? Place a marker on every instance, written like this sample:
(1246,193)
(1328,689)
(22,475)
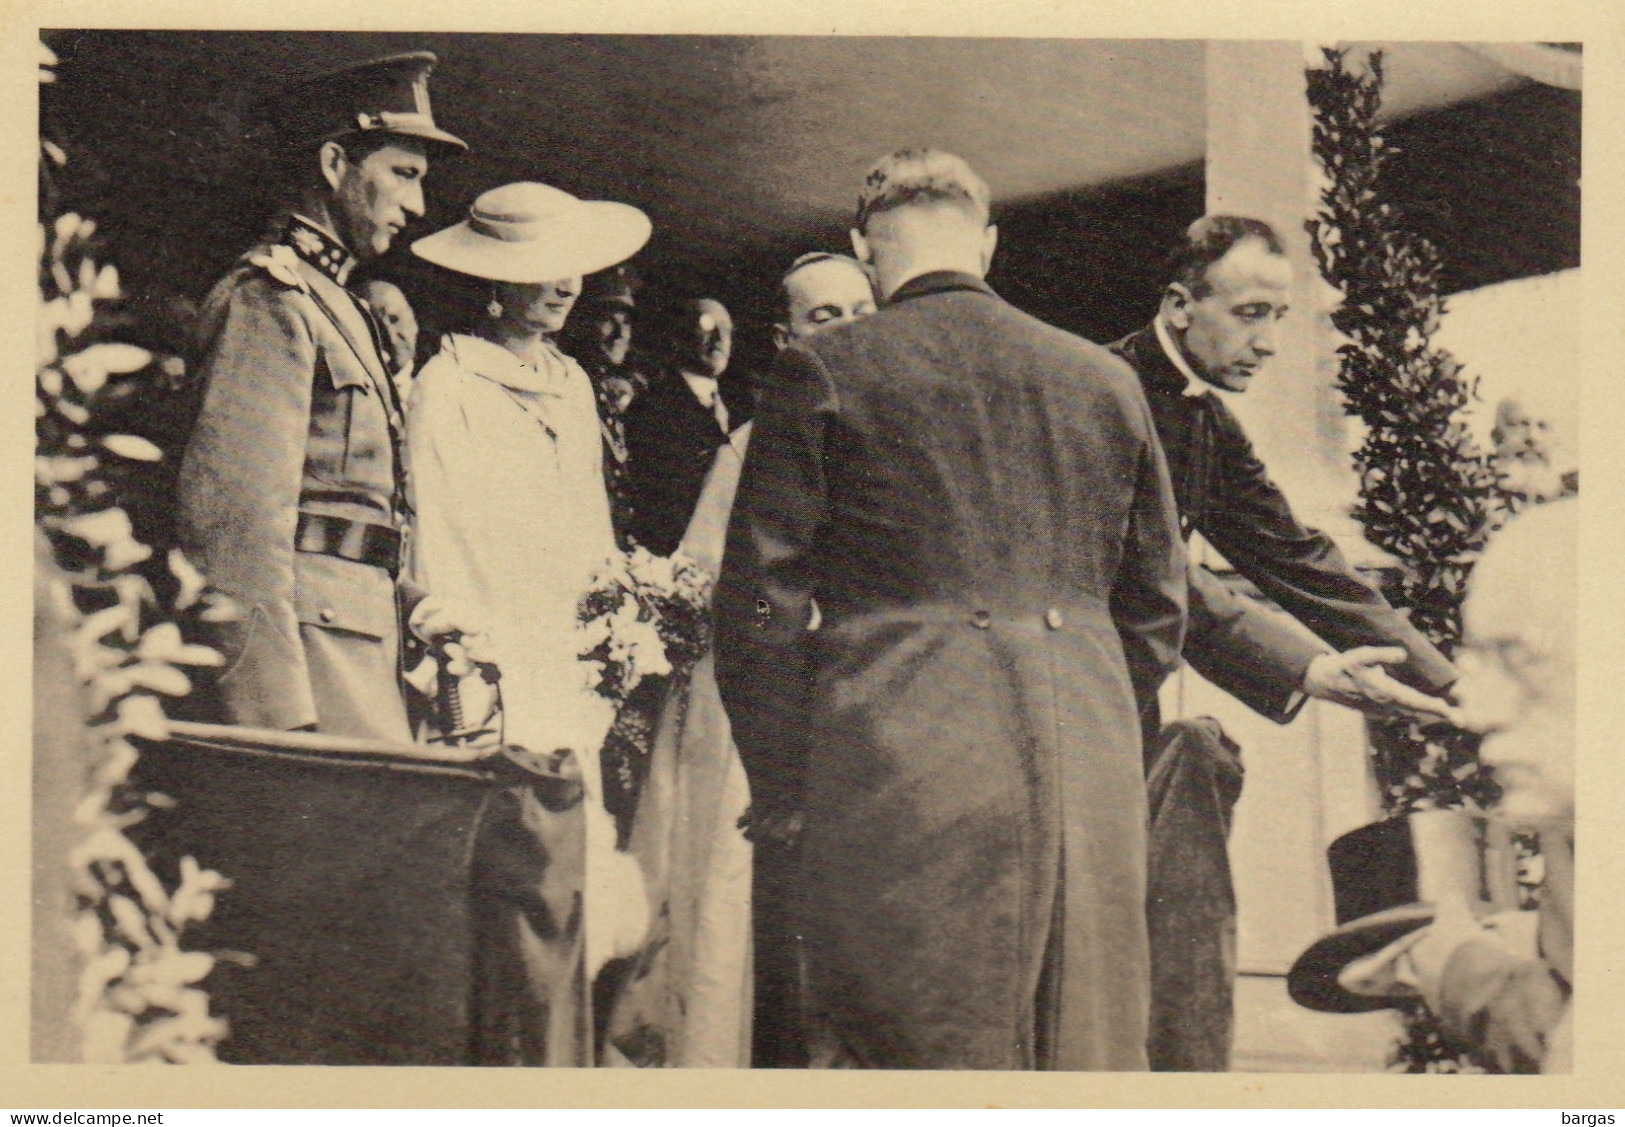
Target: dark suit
(1225,493)
(671,441)
(978,504)
(1256,654)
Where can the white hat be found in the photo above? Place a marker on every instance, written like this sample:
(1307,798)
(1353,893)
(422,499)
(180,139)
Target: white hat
(533,233)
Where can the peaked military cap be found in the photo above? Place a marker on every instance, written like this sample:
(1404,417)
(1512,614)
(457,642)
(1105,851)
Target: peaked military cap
(388,95)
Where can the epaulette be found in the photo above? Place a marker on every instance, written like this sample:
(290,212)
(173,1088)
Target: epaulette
(282,263)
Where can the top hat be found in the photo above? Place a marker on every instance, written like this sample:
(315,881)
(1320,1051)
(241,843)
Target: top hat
(1386,878)
(388,95)
(534,233)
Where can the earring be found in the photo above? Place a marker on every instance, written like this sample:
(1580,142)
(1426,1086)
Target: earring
(494,310)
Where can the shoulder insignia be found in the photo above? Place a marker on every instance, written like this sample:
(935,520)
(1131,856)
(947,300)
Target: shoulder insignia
(282,263)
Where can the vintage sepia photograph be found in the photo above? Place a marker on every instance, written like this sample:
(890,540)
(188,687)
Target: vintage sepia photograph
(803,552)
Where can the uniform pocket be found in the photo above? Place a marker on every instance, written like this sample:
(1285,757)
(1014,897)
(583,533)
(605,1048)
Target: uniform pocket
(235,642)
(337,594)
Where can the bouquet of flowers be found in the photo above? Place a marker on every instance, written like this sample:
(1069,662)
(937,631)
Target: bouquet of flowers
(645,621)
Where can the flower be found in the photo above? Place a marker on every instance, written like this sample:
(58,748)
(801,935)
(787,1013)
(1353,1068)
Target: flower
(308,241)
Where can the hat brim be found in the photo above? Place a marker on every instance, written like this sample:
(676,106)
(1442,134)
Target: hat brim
(589,236)
(1312,981)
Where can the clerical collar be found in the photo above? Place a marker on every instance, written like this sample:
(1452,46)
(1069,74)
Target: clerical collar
(1195,386)
(318,248)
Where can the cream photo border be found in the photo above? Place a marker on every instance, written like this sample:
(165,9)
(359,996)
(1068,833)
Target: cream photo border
(1600,1002)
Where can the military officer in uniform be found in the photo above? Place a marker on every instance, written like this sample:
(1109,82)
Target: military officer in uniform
(291,486)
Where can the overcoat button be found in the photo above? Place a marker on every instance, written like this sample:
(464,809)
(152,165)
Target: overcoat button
(328,614)
(1054,619)
(981,619)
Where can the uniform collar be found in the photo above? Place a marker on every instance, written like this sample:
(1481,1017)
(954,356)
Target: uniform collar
(320,249)
(1195,387)
(938,281)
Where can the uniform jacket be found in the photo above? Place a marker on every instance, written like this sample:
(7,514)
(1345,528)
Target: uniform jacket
(298,414)
(1225,493)
(978,505)
(672,439)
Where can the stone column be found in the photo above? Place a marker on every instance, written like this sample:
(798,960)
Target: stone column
(1259,164)
(1307,781)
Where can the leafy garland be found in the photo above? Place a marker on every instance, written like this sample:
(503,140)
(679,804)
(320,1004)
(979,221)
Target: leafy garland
(138,996)
(1429,495)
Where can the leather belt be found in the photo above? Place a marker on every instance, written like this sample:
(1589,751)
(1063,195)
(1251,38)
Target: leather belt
(377,545)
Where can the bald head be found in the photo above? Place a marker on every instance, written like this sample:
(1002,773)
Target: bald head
(820,291)
(1519,658)
(395,316)
(711,332)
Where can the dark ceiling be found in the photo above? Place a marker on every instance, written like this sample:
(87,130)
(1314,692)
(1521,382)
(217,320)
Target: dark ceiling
(745,150)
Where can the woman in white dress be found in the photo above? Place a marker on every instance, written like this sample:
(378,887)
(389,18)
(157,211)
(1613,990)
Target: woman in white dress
(512,520)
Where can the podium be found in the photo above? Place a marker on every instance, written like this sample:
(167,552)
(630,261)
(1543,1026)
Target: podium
(355,892)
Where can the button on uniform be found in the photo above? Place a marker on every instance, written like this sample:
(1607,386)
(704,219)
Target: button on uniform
(327,614)
(1054,619)
(981,619)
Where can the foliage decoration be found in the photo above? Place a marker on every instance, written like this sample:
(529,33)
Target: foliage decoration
(139,998)
(1429,494)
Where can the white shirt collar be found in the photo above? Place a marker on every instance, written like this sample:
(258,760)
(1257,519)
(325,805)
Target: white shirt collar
(704,388)
(1194,385)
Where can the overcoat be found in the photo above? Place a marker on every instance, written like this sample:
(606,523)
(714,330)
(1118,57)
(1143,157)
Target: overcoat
(977,503)
(1225,492)
(298,416)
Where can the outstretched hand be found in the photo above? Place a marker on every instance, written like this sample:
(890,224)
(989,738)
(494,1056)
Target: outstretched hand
(1359,679)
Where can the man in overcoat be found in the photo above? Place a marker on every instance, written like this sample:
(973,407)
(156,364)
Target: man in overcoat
(817,292)
(978,505)
(1228,286)
(291,487)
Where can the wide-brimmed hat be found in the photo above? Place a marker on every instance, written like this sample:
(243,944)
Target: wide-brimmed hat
(534,233)
(388,95)
(1386,879)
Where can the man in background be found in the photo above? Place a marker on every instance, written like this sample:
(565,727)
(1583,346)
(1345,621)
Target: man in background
(599,337)
(1228,287)
(817,292)
(399,326)
(674,429)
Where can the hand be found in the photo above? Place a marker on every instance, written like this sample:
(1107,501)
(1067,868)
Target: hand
(1453,924)
(1357,679)
(432,620)
(781,828)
